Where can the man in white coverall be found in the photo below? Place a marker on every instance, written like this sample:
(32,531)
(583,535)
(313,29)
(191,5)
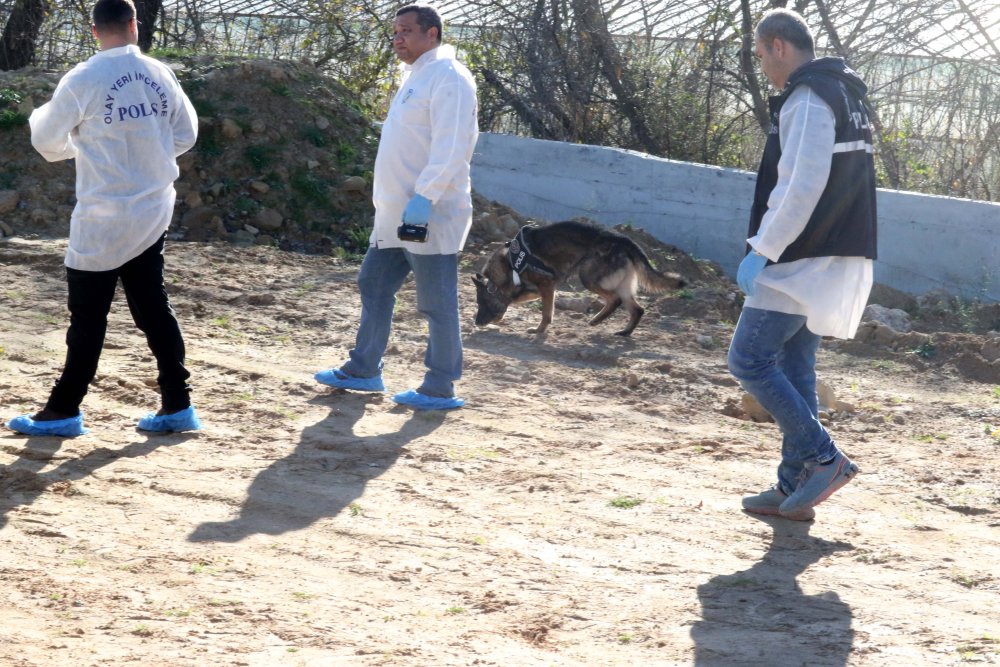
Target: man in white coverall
(421,181)
(125,119)
(812,242)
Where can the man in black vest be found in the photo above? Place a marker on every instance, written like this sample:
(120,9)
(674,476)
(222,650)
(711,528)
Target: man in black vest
(811,246)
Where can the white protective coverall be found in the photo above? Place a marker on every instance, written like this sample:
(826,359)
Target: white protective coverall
(426,149)
(831,292)
(124,186)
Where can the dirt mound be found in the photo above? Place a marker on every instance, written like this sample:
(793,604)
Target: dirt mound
(285,157)
(941,332)
(932,331)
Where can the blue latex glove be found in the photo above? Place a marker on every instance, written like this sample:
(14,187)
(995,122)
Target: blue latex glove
(751,265)
(417,211)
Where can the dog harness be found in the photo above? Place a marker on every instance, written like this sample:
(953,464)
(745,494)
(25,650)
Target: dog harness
(520,258)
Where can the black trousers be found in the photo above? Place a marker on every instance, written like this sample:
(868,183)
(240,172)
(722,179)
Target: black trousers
(90,297)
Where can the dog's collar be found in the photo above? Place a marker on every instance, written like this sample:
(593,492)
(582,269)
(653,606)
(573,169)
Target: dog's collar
(521,259)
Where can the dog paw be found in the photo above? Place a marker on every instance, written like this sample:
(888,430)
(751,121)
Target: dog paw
(539,333)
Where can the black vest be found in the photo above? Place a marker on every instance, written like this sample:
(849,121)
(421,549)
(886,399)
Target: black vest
(844,222)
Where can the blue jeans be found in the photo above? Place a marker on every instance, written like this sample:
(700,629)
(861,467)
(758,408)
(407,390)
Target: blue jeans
(382,274)
(773,355)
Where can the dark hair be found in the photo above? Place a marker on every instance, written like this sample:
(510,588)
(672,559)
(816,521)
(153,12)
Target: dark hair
(788,26)
(427,17)
(113,15)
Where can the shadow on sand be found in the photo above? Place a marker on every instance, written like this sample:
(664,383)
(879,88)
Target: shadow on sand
(21,483)
(760,616)
(328,470)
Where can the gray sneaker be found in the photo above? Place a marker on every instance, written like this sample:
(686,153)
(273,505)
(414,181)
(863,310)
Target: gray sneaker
(769,502)
(818,483)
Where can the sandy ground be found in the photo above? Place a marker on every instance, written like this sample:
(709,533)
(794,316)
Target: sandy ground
(583,509)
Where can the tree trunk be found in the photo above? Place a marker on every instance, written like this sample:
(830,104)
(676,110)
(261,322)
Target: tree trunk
(749,68)
(523,109)
(542,55)
(147,11)
(17,45)
(887,152)
(594,27)
(831,30)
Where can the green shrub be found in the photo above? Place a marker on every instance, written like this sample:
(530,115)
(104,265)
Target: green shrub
(203,107)
(208,144)
(171,53)
(8,96)
(315,136)
(346,154)
(261,157)
(358,237)
(10,119)
(280,90)
(309,186)
(246,204)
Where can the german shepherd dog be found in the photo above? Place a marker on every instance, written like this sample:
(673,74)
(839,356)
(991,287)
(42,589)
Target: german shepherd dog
(528,267)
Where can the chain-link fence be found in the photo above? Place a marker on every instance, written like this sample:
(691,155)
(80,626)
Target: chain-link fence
(668,77)
(251,29)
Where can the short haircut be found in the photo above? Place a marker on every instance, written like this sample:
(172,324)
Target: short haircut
(788,26)
(427,17)
(113,15)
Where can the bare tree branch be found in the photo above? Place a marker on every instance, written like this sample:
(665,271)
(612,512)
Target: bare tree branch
(17,44)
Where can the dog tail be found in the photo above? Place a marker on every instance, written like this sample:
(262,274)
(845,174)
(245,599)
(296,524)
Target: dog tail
(651,280)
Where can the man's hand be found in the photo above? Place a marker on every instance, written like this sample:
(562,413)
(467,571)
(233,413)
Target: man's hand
(751,265)
(416,215)
(417,211)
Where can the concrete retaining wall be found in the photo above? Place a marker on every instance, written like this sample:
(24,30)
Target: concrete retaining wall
(925,242)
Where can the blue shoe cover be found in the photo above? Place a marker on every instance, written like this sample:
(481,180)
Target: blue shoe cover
(415,399)
(337,378)
(185,420)
(67,428)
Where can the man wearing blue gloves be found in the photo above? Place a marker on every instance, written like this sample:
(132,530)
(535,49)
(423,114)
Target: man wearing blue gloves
(812,242)
(124,118)
(423,213)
